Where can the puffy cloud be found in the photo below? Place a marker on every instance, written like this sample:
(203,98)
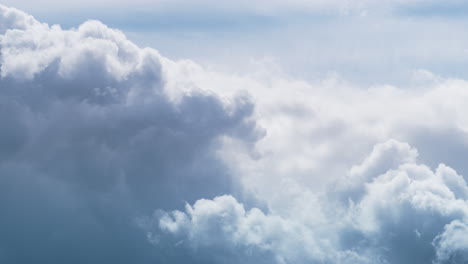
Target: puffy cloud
(407,213)
(317,131)
(91,138)
(15,19)
(385,156)
(404,210)
(452,243)
(247,236)
(391,208)
(97,133)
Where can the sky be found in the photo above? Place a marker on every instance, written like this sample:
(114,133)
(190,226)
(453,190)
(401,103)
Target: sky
(201,131)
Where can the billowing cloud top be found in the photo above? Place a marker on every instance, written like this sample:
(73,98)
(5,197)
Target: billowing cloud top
(103,143)
(92,137)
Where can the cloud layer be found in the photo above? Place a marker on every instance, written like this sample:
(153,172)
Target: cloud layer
(103,143)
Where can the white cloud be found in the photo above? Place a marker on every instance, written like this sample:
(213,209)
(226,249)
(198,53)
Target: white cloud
(452,244)
(15,19)
(98,131)
(406,214)
(389,208)
(249,236)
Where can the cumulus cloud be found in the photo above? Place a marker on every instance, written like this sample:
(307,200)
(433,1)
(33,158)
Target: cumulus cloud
(247,236)
(91,138)
(98,133)
(407,213)
(452,244)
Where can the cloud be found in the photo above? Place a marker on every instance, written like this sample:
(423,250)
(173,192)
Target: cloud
(98,133)
(15,19)
(91,138)
(222,230)
(452,244)
(390,208)
(385,156)
(407,213)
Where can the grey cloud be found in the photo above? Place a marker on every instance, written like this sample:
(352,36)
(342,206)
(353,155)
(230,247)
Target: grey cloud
(97,133)
(91,139)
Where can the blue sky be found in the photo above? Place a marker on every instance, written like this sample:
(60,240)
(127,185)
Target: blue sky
(365,41)
(305,131)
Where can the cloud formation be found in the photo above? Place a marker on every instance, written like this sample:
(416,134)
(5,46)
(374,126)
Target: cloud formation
(407,213)
(98,133)
(91,138)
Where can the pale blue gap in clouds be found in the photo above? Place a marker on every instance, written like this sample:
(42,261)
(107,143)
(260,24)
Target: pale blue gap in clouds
(372,47)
